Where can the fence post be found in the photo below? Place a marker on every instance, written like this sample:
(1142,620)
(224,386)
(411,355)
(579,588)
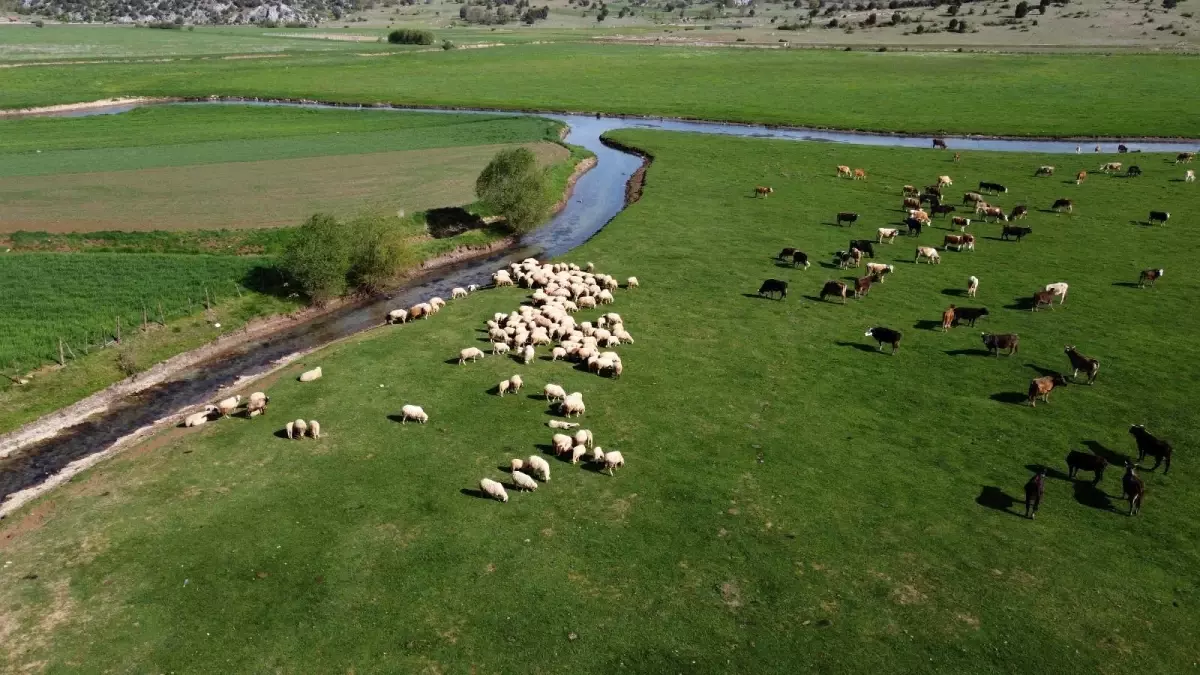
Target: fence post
(118,328)
(61,360)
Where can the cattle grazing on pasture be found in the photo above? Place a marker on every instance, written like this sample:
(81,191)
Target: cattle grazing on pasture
(914,226)
(1161,217)
(887,235)
(1019,212)
(1040,387)
(994,213)
(843,170)
(761,191)
(911,203)
(880,270)
(957,157)
(972,286)
(1085,461)
(910,191)
(847,217)
(1110,166)
(943,209)
(933,190)
(859,174)
(865,245)
(1091,367)
(944,180)
(862,285)
(844,259)
(1042,299)
(1059,289)
(959,242)
(919,215)
(800,258)
(1122,149)
(997,341)
(939,144)
(1034,489)
(929,253)
(771,286)
(1063,205)
(961,223)
(1044,170)
(1149,277)
(786,253)
(1133,171)
(885,336)
(1133,489)
(1190,176)
(948,318)
(1149,444)
(992,187)
(972,198)
(929,198)
(969,315)
(834,288)
(1185,157)
(1080,177)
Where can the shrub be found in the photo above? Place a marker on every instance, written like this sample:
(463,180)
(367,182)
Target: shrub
(408,36)
(127,363)
(1022,9)
(39,23)
(318,259)
(447,45)
(513,186)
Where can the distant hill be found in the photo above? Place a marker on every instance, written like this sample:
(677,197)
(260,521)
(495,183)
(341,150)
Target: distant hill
(191,11)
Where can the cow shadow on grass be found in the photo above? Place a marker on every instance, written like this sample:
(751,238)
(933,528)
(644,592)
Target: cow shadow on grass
(857,345)
(967,352)
(1114,458)
(756,296)
(1042,372)
(1021,305)
(1050,471)
(1010,397)
(1125,284)
(954,292)
(997,499)
(1091,496)
(828,265)
(783,264)
(927,324)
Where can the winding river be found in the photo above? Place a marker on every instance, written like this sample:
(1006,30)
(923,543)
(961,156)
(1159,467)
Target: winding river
(598,196)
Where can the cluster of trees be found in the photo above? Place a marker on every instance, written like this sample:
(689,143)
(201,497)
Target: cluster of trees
(493,12)
(328,258)
(408,36)
(161,13)
(513,186)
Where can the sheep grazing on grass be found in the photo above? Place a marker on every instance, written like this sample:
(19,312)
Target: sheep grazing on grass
(539,468)
(300,427)
(417,312)
(527,354)
(471,288)
(397,316)
(559,424)
(493,489)
(516,464)
(196,419)
(290,427)
(413,412)
(584,437)
(458,292)
(554,392)
(502,388)
(558,353)
(523,481)
(314,428)
(516,383)
(578,452)
(499,348)
(598,455)
(257,404)
(613,460)
(310,375)
(436,304)
(561,444)
(226,406)
(472,353)
(572,405)
(501,278)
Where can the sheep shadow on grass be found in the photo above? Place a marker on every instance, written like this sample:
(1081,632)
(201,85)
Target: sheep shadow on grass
(451,361)
(1011,397)
(399,419)
(1050,471)
(544,448)
(282,433)
(1114,458)
(1091,496)
(857,345)
(475,493)
(997,499)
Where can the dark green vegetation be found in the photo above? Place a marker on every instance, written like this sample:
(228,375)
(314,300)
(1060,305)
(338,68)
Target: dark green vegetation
(408,36)
(328,257)
(924,92)
(514,186)
(794,501)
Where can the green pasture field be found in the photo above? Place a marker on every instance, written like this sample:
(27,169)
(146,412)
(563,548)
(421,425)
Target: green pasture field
(793,500)
(927,92)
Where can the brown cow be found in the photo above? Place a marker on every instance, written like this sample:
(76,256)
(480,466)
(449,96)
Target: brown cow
(994,213)
(1040,387)
(1063,204)
(834,288)
(959,242)
(761,191)
(1110,166)
(996,342)
(1043,298)
(1149,276)
(1185,157)
(918,214)
(957,156)
(859,174)
(961,222)
(947,318)
(1133,489)
(843,170)
(1034,490)
(1080,177)
(911,191)
(862,285)
(912,203)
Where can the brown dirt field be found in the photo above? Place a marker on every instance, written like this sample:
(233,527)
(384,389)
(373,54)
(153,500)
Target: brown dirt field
(240,195)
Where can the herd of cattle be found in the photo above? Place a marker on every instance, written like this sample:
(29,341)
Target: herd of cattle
(918,217)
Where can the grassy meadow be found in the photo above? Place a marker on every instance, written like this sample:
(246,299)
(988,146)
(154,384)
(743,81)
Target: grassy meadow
(793,501)
(926,92)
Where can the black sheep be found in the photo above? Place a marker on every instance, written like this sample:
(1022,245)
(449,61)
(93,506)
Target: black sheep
(1147,444)
(1085,461)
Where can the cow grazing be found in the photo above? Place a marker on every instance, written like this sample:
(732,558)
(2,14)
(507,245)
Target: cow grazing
(800,258)
(957,157)
(929,253)
(773,286)
(1080,362)
(844,259)
(885,336)
(1190,176)
(1063,205)
(887,235)
(834,288)
(1160,216)
(1133,171)
(1085,461)
(1122,149)
(847,217)
(1043,299)
(972,286)
(939,144)
(911,203)
(972,197)
(994,213)
(761,191)
(969,315)
(996,342)
(1040,387)
(914,226)
(1148,444)
(929,198)
(1015,231)
(1149,277)
(865,245)
(959,242)
(880,270)
(1034,489)
(943,209)
(862,285)
(992,187)
(1185,157)
(1045,170)
(1019,212)
(944,180)
(1080,177)
(910,191)
(1059,289)
(1133,489)
(948,318)
(859,174)
(961,223)
(843,170)
(1110,166)
(933,190)
(919,215)
(786,253)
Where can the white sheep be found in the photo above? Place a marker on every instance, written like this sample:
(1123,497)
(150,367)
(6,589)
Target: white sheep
(397,316)
(605,297)
(227,405)
(631,282)
(471,288)
(523,481)
(300,427)
(290,427)
(502,278)
(577,452)
(561,444)
(516,383)
(591,267)
(517,464)
(499,348)
(613,460)
(586,302)
(502,387)
(558,353)
(572,405)
(493,489)
(413,412)
(527,354)
(472,353)
(559,424)
(539,467)
(314,428)
(598,455)
(257,404)
(458,292)
(196,419)
(310,375)
(584,437)
(554,392)
(436,304)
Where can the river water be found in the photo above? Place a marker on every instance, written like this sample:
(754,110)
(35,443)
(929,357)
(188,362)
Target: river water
(599,195)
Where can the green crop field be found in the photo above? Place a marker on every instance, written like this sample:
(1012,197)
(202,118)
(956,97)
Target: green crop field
(895,91)
(794,501)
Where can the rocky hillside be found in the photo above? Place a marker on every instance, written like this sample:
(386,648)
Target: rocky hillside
(191,11)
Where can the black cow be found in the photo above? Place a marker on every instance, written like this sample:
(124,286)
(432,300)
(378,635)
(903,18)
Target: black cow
(1086,461)
(786,253)
(1034,489)
(939,143)
(1060,204)
(942,209)
(994,343)
(1122,149)
(865,245)
(1133,171)
(969,315)
(800,258)
(1019,211)
(934,201)
(885,336)
(847,217)
(914,226)
(991,187)
(834,288)
(1147,444)
(1161,216)
(773,286)
(935,190)
(1015,231)
(1133,489)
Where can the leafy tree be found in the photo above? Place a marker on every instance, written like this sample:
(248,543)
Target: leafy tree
(378,252)
(318,258)
(515,187)
(1022,9)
